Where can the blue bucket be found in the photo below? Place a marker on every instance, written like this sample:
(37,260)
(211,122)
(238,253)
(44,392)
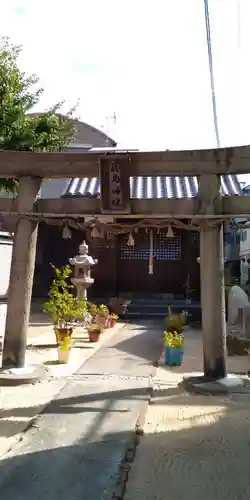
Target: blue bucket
(173,356)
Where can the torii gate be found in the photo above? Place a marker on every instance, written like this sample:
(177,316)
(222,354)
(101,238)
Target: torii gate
(209,209)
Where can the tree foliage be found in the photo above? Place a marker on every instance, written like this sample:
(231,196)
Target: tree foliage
(63,307)
(20,129)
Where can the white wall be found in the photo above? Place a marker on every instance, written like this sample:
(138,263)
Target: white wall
(245,241)
(5,258)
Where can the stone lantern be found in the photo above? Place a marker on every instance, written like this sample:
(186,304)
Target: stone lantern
(82,263)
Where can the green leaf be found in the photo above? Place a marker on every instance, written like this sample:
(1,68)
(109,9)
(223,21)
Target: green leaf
(63,307)
(173,339)
(20,129)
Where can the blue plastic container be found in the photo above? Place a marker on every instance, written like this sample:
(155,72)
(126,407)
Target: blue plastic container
(173,356)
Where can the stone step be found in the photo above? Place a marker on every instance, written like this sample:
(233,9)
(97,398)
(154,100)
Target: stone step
(144,315)
(162,307)
(193,316)
(156,307)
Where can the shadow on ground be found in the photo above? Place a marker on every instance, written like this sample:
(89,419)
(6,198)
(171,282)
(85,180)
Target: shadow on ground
(138,344)
(75,404)
(142,347)
(35,347)
(71,405)
(201,461)
(173,396)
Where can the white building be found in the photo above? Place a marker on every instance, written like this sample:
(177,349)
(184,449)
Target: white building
(245,256)
(245,250)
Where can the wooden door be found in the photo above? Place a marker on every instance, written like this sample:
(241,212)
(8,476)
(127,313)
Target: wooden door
(168,264)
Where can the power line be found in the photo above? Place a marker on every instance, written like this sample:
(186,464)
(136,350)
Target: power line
(239,24)
(211,72)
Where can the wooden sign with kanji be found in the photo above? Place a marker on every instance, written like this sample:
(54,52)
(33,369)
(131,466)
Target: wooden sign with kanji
(115,187)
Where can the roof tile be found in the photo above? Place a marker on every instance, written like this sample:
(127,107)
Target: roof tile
(153,187)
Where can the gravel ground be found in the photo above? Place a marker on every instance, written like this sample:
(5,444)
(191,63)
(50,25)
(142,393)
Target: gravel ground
(194,447)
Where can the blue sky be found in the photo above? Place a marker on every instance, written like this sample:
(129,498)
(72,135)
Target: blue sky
(145,60)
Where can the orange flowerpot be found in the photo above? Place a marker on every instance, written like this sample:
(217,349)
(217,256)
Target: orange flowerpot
(94,336)
(102,320)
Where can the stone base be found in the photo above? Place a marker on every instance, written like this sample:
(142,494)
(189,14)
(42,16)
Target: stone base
(237,345)
(20,376)
(203,385)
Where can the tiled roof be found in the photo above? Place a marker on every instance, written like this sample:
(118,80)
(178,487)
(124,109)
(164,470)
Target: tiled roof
(153,187)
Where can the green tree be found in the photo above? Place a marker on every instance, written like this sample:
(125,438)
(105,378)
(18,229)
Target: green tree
(23,130)
(20,129)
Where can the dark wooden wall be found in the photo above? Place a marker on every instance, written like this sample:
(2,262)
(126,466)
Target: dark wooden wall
(105,272)
(120,268)
(52,249)
(174,258)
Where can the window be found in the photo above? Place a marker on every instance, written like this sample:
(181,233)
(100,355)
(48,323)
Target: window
(243,235)
(233,237)
(164,248)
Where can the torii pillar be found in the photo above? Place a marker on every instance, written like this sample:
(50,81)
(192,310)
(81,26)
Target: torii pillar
(212,280)
(21,276)
(213,301)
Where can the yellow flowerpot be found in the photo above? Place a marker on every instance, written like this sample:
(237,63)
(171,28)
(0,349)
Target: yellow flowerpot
(64,345)
(63,355)
(61,333)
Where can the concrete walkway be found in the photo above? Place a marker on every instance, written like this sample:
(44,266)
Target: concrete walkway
(74,449)
(31,399)
(195,447)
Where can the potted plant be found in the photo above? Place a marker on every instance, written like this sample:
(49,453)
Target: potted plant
(94,331)
(174,348)
(176,321)
(118,305)
(64,309)
(112,320)
(102,316)
(92,309)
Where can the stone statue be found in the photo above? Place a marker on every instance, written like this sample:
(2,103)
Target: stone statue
(237,301)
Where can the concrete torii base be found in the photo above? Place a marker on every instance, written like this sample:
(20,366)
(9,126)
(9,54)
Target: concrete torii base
(200,384)
(19,376)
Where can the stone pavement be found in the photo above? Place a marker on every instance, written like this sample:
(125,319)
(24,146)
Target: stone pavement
(194,447)
(74,450)
(20,405)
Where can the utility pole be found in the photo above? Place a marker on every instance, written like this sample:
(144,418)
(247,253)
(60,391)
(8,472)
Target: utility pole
(211,72)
